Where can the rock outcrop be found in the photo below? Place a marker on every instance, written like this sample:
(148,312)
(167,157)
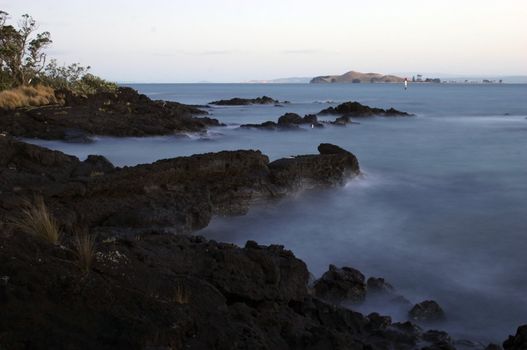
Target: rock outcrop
(181,193)
(427,311)
(355,109)
(340,284)
(157,291)
(518,341)
(288,121)
(123,113)
(237,101)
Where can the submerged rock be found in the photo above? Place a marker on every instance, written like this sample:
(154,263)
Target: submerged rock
(427,311)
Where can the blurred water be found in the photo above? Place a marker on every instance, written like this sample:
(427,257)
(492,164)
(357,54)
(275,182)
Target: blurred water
(440,211)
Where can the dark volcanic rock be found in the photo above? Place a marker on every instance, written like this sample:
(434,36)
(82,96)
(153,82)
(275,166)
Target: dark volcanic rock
(312,170)
(287,121)
(427,311)
(379,285)
(355,109)
(337,285)
(236,101)
(123,113)
(181,193)
(518,341)
(170,291)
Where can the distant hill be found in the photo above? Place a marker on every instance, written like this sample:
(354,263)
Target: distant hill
(357,77)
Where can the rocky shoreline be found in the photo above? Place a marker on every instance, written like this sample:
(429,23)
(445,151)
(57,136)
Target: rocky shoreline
(153,286)
(123,113)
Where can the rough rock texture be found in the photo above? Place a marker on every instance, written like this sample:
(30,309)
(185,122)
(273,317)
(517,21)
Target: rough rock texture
(518,341)
(158,291)
(236,101)
(427,311)
(340,284)
(355,109)
(123,113)
(181,193)
(287,121)
(379,285)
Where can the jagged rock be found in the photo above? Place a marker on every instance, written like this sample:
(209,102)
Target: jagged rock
(328,148)
(518,341)
(290,118)
(355,109)
(288,121)
(341,284)
(326,169)
(181,193)
(123,113)
(427,311)
(236,101)
(379,285)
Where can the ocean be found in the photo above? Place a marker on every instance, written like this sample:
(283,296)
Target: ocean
(441,208)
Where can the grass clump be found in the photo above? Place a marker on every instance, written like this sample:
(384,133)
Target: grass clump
(36,219)
(84,247)
(181,295)
(25,96)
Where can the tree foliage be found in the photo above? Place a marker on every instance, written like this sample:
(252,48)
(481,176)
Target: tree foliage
(75,78)
(23,61)
(22,55)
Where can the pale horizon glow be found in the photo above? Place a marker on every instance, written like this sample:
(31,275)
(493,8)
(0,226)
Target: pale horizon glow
(235,40)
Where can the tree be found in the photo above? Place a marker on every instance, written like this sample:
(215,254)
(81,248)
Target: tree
(22,54)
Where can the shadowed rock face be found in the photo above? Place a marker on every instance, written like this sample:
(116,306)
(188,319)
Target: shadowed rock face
(123,113)
(339,284)
(355,109)
(158,291)
(427,311)
(236,101)
(518,341)
(287,121)
(181,193)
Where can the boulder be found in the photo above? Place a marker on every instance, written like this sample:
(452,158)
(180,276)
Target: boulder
(341,284)
(427,311)
(379,286)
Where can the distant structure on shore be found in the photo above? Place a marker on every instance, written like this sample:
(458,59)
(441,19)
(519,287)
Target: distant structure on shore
(356,77)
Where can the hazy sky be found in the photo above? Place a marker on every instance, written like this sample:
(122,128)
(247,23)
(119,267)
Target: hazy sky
(239,40)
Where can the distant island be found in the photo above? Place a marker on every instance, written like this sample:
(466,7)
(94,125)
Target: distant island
(356,77)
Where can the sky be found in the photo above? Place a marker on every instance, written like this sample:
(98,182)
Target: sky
(241,40)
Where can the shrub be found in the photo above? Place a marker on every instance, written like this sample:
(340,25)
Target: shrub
(25,96)
(36,219)
(84,245)
(74,78)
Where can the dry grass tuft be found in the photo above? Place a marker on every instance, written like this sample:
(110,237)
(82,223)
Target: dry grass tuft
(84,245)
(182,295)
(36,219)
(25,96)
